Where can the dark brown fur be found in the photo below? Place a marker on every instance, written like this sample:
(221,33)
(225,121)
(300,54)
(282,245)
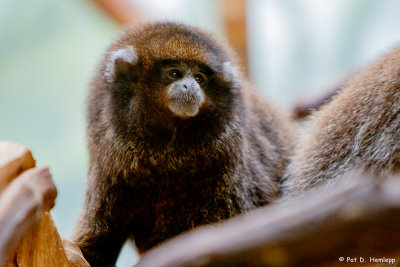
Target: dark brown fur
(359,128)
(153,175)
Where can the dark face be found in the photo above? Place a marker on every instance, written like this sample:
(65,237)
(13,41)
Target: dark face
(183,86)
(183,89)
(157,97)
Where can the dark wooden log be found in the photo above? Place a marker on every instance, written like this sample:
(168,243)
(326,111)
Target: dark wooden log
(305,107)
(355,217)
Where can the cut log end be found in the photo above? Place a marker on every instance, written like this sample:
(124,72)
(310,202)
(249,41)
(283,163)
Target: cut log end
(28,235)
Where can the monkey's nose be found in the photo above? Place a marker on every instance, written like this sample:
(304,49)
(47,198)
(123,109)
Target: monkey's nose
(185,99)
(188,88)
(186,93)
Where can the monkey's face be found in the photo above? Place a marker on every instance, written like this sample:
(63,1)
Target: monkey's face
(178,87)
(173,76)
(183,87)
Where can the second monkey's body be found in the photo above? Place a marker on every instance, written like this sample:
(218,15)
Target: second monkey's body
(177,139)
(358,129)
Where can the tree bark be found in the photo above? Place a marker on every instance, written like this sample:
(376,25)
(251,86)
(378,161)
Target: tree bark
(28,235)
(352,218)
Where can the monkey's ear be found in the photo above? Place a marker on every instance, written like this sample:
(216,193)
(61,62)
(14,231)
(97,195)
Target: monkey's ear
(119,60)
(230,71)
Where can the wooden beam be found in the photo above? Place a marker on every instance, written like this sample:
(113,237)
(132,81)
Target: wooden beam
(14,159)
(122,11)
(28,235)
(354,218)
(233,13)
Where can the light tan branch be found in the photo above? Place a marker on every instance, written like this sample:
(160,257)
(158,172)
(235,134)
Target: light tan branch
(28,235)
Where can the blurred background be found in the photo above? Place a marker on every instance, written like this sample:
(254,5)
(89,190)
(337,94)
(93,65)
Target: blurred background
(294,51)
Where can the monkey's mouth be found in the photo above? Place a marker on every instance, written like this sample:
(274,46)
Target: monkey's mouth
(185,105)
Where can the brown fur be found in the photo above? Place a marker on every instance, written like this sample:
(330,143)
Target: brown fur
(359,128)
(153,175)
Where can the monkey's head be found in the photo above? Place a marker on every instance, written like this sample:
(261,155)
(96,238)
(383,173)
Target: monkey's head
(169,71)
(182,86)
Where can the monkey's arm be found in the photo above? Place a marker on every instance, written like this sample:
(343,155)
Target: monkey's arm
(100,231)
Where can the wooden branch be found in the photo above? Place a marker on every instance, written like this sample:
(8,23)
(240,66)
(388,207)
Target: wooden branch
(304,108)
(28,235)
(355,218)
(314,98)
(21,206)
(233,13)
(14,159)
(74,254)
(122,11)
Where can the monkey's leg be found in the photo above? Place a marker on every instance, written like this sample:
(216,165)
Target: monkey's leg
(101,229)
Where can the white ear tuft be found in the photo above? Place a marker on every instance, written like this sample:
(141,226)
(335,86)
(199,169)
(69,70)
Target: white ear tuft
(230,71)
(127,54)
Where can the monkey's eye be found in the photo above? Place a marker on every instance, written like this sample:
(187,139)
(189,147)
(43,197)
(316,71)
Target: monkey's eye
(175,74)
(199,78)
